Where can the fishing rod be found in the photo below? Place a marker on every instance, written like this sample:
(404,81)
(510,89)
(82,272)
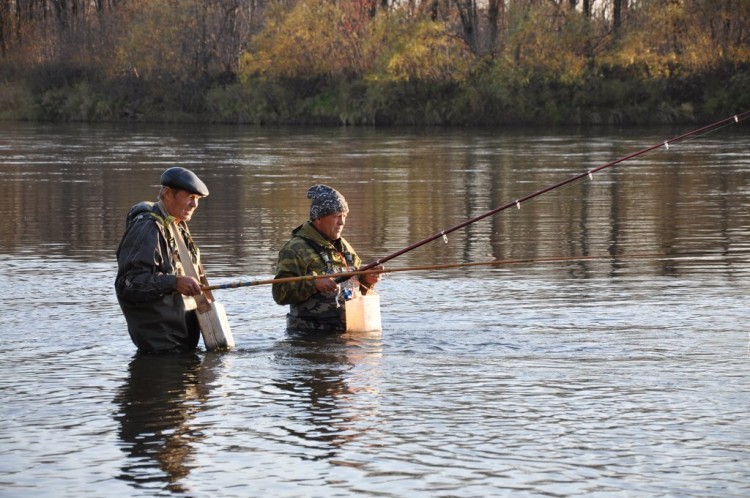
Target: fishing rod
(349,274)
(517,203)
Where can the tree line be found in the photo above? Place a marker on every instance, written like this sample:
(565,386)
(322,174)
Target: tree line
(372,62)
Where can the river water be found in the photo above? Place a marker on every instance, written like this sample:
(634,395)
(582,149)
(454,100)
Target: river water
(622,375)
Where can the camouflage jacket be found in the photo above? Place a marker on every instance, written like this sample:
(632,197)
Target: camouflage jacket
(148,263)
(309,253)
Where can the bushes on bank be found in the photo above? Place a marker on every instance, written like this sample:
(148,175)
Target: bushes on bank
(335,63)
(478,101)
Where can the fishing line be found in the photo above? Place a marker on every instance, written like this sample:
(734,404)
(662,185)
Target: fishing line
(506,262)
(518,203)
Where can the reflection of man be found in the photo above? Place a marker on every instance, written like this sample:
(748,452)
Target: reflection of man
(319,368)
(156,405)
(152,288)
(316,248)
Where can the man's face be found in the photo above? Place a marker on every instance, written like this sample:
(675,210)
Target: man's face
(331,225)
(180,203)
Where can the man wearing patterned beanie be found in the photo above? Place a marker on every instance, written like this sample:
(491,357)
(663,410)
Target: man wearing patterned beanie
(316,248)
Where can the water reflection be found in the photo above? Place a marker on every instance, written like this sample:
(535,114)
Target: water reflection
(68,193)
(331,381)
(157,406)
(610,376)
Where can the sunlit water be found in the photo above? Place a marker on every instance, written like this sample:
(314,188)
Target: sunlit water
(623,376)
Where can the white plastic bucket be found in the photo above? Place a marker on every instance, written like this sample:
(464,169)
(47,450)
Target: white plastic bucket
(363,313)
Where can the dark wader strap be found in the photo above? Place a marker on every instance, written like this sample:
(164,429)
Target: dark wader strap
(325,254)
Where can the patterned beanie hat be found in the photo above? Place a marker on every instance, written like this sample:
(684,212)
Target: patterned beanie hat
(325,201)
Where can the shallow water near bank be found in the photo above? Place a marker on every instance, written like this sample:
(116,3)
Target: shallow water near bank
(623,376)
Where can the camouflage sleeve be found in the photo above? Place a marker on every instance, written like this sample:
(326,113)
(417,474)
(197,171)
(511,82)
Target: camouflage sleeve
(139,259)
(295,259)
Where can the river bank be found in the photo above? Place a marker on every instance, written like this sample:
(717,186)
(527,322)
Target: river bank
(488,99)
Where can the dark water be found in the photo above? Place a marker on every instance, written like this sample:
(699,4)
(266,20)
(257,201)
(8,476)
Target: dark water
(623,376)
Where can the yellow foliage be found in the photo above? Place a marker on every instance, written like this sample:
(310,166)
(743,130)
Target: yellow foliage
(320,38)
(311,40)
(416,49)
(544,42)
(160,39)
(667,39)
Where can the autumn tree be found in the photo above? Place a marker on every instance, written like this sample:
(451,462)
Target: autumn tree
(173,54)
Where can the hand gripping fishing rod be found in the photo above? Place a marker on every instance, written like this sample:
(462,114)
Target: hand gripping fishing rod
(517,203)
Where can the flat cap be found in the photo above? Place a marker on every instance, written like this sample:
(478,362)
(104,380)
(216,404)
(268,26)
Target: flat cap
(183,179)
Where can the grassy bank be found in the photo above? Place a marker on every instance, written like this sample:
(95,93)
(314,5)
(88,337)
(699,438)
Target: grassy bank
(317,62)
(482,100)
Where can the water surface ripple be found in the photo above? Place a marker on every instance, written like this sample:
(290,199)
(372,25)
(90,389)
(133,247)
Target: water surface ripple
(623,376)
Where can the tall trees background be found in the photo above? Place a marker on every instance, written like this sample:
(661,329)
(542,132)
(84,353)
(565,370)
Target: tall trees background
(446,62)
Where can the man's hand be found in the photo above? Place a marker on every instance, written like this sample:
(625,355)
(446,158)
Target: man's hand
(188,286)
(372,278)
(325,285)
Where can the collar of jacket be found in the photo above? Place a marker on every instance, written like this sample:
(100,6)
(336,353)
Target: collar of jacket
(166,219)
(308,231)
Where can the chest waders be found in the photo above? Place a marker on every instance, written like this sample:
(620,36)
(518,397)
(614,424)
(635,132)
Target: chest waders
(322,312)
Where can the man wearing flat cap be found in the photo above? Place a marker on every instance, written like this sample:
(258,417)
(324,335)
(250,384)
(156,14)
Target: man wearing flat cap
(316,248)
(154,293)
